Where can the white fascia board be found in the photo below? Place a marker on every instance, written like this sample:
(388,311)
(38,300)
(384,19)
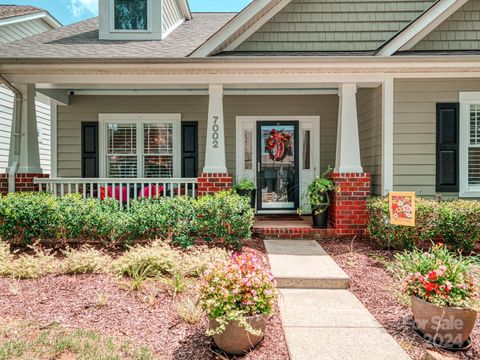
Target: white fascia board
(50,20)
(421,27)
(23,18)
(45,16)
(255,27)
(230,28)
(185,9)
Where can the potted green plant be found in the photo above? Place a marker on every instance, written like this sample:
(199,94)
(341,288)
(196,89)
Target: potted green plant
(238,296)
(248,189)
(444,294)
(318,199)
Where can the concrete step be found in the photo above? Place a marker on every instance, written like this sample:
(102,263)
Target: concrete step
(303,264)
(333,325)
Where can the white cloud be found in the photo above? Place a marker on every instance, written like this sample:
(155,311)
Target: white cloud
(82,7)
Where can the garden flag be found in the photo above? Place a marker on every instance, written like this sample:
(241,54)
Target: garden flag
(402,208)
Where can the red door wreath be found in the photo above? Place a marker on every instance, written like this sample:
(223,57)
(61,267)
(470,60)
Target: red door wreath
(278,145)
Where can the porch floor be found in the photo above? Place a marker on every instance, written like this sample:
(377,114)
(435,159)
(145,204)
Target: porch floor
(288,227)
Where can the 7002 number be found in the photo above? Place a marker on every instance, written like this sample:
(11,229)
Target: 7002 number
(215,132)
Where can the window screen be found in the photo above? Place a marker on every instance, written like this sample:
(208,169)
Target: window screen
(158,150)
(122,161)
(474,147)
(131,14)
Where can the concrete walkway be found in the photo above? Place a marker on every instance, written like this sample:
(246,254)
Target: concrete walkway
(322,320)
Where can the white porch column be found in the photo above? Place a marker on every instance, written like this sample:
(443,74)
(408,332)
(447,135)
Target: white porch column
(24,140)
(215,150)
(387,135)
(348,145)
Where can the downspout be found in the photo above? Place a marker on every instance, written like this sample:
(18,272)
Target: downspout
(16,132)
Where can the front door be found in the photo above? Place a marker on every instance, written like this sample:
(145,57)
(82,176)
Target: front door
(277,166)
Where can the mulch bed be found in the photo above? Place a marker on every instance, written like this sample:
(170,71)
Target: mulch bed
(377,290)
(73,302)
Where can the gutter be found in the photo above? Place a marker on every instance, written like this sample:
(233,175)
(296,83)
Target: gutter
(248,59)
(16,133)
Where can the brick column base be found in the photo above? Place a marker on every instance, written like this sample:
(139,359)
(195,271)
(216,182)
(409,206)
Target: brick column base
(348,211)
(4,184)
(23,182)
(211,183)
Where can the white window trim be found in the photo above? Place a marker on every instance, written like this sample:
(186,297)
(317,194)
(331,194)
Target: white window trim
(140,119)
(466,99)
(149,20)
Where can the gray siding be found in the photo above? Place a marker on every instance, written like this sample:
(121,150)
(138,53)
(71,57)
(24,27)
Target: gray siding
(192,108)
(43,127)
(172,14)
(22,30)
(369,107)
(461,31)
(415,129)
(332,25)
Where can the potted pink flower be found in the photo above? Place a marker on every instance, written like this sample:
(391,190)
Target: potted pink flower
(444,294)
(238,296)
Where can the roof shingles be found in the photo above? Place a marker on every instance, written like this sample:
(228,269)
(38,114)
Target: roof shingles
(80,41)
(8,11)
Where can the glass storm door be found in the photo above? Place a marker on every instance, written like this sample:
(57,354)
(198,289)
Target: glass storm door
(277,166)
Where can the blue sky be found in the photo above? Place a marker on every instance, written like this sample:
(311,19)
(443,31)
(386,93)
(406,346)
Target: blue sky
(69,11)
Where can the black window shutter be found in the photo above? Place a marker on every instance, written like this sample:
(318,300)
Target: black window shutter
(90,150)
(448,128)
(189,149)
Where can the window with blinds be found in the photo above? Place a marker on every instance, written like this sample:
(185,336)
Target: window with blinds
(474,146)
(122,160)
(158,150)
(140,149)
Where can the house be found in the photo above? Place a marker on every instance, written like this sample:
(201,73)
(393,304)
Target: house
(149,97)
(18,22)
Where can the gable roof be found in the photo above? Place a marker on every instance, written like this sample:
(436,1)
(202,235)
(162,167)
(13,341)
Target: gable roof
(17,13)
(237,26)
(81,41)
(314,26)
(8,11)
(421,27)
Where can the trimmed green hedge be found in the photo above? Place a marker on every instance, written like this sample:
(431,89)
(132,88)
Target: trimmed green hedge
(456,223)
(27,217)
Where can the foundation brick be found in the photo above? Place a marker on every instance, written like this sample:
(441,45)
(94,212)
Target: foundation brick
(214,182)
(348,213)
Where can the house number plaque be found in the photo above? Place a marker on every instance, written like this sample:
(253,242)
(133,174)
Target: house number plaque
(215,134)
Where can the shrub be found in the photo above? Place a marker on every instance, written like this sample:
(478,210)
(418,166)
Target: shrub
(163,218)
(438,276)
(456,223)
(150,261)
(224,217)
(198,259)
(25,217)
(28,217)
(83,261)
(236,289)
(29,266)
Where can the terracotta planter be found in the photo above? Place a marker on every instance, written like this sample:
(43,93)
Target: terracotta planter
(444,326)
(235,339)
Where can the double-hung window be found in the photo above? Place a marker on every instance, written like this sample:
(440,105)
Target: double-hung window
(140,145)
(470,144)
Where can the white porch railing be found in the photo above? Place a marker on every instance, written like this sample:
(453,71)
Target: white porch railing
(124,190)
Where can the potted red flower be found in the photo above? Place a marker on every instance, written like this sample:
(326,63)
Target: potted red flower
(444,294)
